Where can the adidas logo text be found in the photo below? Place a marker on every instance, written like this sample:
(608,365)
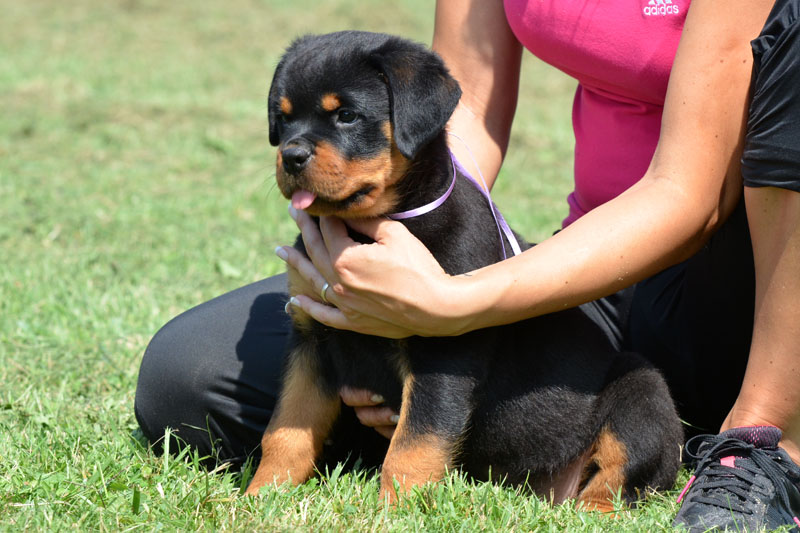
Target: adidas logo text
(661,7)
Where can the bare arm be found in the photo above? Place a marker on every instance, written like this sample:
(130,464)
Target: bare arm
(692,185)
(482,53)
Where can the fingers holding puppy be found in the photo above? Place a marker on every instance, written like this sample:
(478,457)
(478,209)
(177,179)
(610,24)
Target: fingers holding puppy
(391,288)
(305,278)
(310,273)
(314,243)
(351,320)
(370,410)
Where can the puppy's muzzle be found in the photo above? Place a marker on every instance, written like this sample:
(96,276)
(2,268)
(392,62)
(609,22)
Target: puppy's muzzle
(296,155)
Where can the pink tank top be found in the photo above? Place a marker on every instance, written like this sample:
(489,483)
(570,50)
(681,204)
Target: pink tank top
(621,53)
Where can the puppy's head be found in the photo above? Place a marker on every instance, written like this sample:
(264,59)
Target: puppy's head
(349,112)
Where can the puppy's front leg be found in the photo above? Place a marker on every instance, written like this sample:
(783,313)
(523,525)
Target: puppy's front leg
(303,418)
(415,456)
(437,405)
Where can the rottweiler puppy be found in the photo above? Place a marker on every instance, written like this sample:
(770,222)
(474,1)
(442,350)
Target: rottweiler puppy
(359,121)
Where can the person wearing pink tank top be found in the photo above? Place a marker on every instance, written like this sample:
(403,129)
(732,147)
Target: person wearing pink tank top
(622,62)
(656,243)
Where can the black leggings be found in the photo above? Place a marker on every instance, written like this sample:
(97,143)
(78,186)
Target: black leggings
(211,374)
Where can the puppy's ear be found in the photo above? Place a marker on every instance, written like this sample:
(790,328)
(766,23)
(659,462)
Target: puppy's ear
(273,104)
(423,94)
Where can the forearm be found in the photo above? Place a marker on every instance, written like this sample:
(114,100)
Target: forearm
(648,228)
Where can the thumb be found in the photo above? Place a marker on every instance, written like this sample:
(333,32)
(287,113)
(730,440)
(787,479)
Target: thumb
(355,397)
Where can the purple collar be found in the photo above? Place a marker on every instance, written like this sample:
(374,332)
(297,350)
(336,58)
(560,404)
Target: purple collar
(502,226)
(427,208)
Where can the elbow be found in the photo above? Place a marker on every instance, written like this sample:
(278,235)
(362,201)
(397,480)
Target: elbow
(708,213)
(695,213)
(719,205)
(711,220)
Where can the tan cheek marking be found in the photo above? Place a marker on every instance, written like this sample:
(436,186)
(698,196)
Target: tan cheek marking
(377,172)
(387,169)
(369,171)
(610,457)
(327,173)
(381,205)
(279,167)
(399,163)
(303,418)
(286,106)
(330,102)
(336,178)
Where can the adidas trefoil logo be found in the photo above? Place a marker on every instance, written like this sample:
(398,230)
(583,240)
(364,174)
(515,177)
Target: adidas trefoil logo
(661,7)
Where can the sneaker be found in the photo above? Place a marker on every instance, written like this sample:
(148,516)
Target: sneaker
(743,482)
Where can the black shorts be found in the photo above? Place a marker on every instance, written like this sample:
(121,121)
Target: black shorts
(771,155)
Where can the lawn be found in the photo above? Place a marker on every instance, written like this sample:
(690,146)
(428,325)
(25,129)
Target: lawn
(136,180)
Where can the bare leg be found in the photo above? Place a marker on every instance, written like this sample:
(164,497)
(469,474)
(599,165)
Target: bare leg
(770,393)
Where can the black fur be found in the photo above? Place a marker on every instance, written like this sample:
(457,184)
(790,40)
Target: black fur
(520,401)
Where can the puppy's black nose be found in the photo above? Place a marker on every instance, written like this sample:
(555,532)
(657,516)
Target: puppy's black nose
(296,156)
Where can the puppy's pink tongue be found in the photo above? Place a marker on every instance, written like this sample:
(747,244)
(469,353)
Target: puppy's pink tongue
(303,199)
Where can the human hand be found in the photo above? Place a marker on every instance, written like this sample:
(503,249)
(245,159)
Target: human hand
(391,288)
(370,411)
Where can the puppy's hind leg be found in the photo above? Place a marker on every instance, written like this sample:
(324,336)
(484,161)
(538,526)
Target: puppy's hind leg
(639,444)
(303,418)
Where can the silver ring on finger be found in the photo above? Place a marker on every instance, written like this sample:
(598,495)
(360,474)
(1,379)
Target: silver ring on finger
(323,292)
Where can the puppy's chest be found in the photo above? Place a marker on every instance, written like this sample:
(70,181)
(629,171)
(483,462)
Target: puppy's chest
(366,362)
(383,365)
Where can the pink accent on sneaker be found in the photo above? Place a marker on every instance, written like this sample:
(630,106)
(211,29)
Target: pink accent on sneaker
(728,461)
(686,488)
(759,436)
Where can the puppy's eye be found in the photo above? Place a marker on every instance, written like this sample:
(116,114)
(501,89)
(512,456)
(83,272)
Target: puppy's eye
(346,116)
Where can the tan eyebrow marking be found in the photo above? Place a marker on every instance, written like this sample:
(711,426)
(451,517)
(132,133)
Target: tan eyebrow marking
(331,102)
(286,106)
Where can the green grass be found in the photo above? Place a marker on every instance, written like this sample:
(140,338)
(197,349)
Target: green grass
(136,180)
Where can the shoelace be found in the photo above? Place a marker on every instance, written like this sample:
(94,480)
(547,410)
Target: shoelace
(727,487)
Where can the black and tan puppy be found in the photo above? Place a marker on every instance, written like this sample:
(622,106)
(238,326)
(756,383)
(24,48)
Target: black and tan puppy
(359,120)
